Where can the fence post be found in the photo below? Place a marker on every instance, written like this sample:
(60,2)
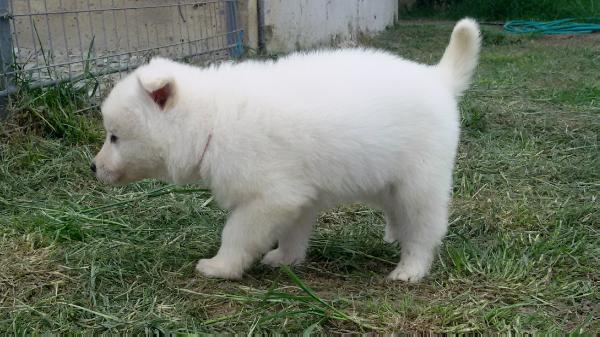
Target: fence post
(262,46)
(6,58)
(233,36)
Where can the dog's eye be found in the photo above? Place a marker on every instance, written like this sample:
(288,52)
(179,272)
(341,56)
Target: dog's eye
(113,138)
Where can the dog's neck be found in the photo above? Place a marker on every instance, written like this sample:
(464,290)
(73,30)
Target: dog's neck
(186,168)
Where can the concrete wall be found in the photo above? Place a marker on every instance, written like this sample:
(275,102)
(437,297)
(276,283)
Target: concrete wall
(288,25)
(293,25)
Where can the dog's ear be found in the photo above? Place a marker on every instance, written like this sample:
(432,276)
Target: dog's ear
(158,84)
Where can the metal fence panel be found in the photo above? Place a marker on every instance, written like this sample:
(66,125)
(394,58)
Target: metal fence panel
(50,41)
(6,58)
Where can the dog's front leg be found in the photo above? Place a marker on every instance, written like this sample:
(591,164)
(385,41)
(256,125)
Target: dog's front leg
(250,231)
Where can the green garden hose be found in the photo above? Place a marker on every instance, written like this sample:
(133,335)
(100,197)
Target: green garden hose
(557,27)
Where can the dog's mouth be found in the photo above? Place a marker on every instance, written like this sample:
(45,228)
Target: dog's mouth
(111,177)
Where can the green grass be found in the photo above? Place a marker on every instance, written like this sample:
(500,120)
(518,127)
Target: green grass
(522,254)
(505,9)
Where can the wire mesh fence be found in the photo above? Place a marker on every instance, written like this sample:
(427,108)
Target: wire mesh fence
(46,42)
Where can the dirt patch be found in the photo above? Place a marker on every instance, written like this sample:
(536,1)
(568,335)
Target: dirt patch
(592,40)
(28,270)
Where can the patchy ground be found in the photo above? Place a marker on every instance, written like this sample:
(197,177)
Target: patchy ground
(523,252)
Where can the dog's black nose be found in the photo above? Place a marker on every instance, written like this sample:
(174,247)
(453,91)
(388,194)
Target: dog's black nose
(93,167)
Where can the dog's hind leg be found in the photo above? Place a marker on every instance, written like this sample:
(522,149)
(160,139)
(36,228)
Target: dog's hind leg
(293,241)
(421,222)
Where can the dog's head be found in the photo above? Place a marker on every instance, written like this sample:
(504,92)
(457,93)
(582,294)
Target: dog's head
(133,117)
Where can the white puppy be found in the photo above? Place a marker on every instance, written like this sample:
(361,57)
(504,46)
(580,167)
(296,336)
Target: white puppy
(279,141)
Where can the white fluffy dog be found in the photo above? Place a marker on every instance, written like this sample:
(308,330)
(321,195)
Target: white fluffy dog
(279,141)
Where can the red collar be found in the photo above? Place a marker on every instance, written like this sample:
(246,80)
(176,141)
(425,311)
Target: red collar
(204,152)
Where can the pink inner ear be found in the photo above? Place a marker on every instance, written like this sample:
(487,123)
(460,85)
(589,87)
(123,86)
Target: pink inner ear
(160,96)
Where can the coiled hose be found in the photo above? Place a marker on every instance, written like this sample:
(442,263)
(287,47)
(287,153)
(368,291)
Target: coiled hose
(557,27)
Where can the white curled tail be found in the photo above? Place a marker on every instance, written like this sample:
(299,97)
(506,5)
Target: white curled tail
(461,56)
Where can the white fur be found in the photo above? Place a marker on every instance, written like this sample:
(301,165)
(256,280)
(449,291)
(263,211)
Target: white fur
(296,136)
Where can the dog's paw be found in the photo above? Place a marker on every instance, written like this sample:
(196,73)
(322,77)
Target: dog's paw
(391,234)
(276,258)
(408,272)
(218,269)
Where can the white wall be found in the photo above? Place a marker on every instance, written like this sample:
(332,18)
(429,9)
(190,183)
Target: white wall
(300,24)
